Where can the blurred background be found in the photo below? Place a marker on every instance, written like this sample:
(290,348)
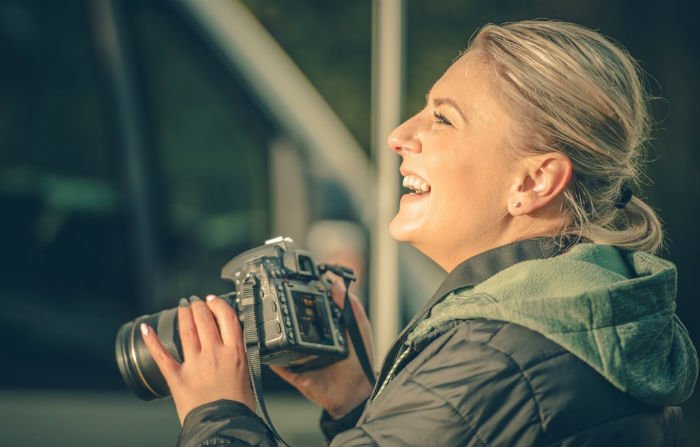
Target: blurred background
(144,143)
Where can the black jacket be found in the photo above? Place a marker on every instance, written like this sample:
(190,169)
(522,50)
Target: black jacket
(473,383)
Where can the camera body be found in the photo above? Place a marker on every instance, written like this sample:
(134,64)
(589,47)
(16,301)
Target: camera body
(298,324)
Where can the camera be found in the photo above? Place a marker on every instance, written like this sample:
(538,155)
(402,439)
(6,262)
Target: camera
(297,323)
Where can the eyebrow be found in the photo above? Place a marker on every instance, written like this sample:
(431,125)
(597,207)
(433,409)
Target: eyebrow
(448,101)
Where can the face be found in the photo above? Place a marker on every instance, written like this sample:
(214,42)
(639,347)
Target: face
(454,154)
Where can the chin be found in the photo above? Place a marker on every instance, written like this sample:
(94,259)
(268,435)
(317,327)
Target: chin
(397,234)
(402,231)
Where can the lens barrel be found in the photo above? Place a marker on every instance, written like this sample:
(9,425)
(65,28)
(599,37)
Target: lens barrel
(136,366)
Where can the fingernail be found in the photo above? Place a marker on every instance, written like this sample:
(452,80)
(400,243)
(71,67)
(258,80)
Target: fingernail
(144,329)
(194,298)
(210,297)
(184,302)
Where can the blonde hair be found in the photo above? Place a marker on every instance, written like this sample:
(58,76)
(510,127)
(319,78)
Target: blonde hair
(573,91)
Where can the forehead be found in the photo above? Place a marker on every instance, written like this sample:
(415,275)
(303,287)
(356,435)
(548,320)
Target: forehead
(467,82)
(468,67)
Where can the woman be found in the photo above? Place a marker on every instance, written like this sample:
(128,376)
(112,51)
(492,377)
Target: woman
(555,324)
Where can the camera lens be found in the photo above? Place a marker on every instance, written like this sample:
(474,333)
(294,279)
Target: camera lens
(138,369)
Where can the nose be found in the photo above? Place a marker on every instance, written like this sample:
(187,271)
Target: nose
(405,138)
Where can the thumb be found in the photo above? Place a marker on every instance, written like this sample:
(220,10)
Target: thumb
(338,293)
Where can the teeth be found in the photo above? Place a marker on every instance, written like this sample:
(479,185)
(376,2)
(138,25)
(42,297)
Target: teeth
(416,183)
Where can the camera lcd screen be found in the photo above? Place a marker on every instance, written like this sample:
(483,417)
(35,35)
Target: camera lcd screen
(312,318)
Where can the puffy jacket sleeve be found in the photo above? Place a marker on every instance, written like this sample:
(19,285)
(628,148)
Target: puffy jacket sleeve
(224,423)
(459,390)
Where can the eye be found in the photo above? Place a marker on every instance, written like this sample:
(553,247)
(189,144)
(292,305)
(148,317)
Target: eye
(441,119)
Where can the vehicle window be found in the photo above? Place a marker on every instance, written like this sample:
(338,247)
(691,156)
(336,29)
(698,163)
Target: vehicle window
(68,273)
(65,270)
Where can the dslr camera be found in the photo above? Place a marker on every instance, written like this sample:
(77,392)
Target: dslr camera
(297,323)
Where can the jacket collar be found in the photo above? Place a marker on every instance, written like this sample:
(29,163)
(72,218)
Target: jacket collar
(481,267)
(484,265)
(472,272)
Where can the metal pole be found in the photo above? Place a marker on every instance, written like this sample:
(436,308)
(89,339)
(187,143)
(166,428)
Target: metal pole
(387,67)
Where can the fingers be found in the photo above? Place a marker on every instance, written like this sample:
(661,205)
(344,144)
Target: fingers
(206,326)
(338,293)
(188,330)
(167,365)
(229,325)
(358,309)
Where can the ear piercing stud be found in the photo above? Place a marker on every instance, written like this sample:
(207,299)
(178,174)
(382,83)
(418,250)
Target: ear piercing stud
(516,204)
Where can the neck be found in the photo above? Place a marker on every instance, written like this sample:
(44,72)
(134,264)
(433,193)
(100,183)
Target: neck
(451,253)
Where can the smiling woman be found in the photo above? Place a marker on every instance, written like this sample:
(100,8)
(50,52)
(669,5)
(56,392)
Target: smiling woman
(555,324)
(471,173)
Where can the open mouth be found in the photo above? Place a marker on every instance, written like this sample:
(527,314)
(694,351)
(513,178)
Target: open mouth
(416,185)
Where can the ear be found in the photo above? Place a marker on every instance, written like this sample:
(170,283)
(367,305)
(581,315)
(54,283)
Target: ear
(540,180)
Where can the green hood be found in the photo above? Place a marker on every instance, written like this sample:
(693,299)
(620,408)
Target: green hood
(614,310)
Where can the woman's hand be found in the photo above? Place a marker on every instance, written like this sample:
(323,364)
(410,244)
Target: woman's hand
(339,387)
(215,364)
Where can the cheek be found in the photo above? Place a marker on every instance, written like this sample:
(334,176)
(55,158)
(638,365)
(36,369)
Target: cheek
(467,188)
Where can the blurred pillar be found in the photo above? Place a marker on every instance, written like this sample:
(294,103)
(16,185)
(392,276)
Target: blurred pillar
(290,192)
(387,68)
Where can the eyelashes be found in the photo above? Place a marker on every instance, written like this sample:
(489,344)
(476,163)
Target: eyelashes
(441,119)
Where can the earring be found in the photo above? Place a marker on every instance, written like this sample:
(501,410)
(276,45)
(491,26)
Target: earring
(516,205)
